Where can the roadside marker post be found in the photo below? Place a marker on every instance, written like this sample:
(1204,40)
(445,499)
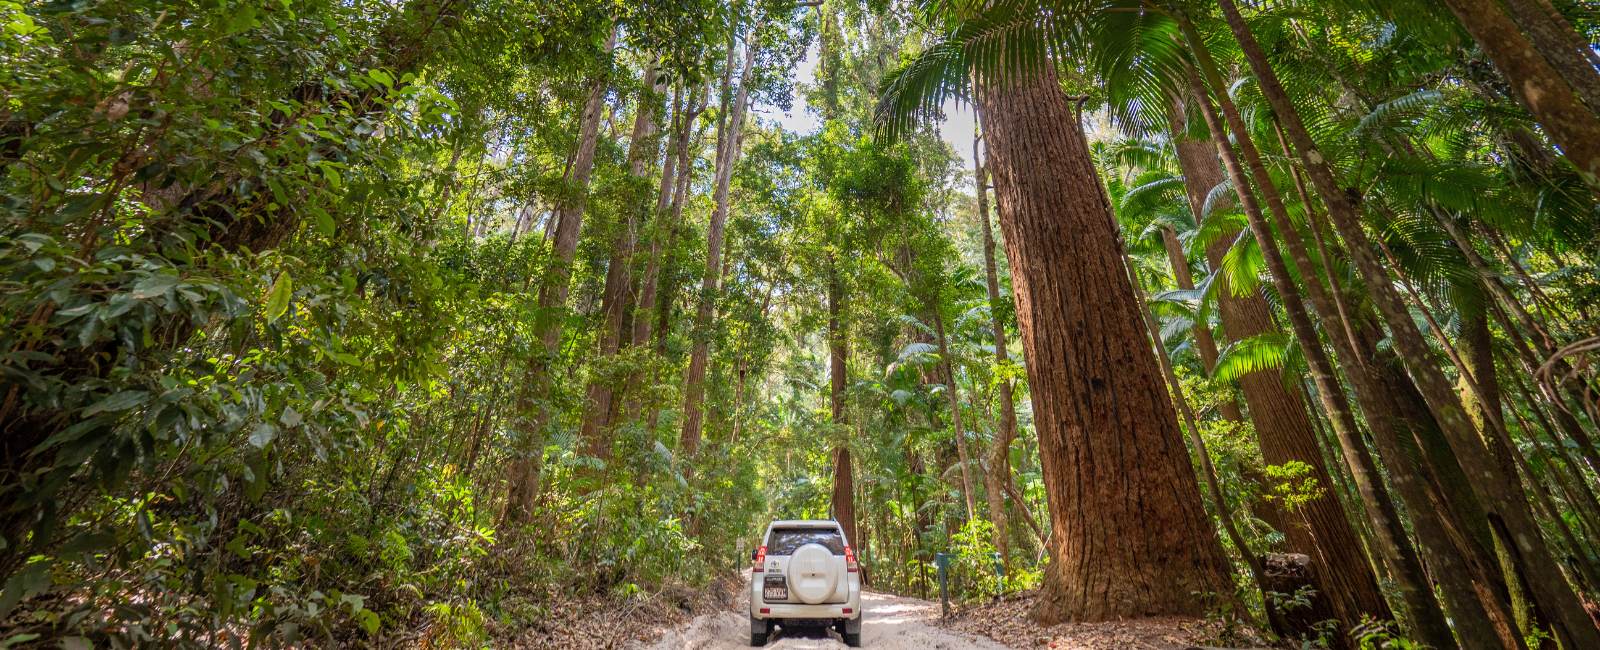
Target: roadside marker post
(943,562)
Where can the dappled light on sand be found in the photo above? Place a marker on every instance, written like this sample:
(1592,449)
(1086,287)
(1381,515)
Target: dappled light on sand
(892,623)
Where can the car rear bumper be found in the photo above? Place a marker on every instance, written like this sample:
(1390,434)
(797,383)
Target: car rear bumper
(800,610)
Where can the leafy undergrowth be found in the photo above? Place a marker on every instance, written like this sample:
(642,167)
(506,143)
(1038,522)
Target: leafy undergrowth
(1010,621)
(624,618)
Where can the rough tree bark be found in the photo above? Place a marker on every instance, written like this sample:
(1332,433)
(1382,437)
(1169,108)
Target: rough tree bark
(1118,478)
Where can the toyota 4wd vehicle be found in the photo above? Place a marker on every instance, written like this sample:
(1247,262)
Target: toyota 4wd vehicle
(805,573)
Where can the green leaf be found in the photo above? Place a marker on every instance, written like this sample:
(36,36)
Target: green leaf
(325,223)
(368,620)
(72,433)
(238,547)
(87,542)
(30,581)
(119,402)
(278,297)
(332,174)
(154,285)
(263,435)
(243,18)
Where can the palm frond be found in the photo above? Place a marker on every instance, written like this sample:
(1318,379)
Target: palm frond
(1254,354)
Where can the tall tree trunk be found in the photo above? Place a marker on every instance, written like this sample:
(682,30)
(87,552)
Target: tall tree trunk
(954,394)
(1106,428)
(727,149)
(675,164)
(1535,84)
(614,298)
(1197,160)
(844,493)
(523,473)
(1503,505)
(1283,428)
(997,471)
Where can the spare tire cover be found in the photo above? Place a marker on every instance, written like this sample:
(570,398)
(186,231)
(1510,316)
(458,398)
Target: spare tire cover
(812,573)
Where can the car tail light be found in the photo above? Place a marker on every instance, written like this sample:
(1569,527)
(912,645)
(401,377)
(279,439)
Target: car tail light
(766,610)
(761,558)
(850,560)
(848,610)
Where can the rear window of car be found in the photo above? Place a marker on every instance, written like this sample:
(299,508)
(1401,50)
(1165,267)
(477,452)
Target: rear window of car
(783,541)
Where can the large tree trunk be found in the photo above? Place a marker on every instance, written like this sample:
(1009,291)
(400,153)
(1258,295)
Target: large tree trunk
(1561,47)
(1197,159)
(1501,502)
(844,492)
(1118,478)
(997,469)
(727,150)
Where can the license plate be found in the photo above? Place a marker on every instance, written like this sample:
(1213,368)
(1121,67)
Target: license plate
(775,588)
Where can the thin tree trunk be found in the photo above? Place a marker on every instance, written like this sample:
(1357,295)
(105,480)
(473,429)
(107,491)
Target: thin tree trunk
(523,473)
(844,510)
(954,395)
(998,469)
(1493,488)
(615,296)
(1497,428)
(676,163)
(728,140)
(1106,428)
(1393,544)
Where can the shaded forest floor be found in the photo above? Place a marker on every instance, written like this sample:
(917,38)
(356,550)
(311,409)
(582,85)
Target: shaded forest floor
(1010,622)
(597,622)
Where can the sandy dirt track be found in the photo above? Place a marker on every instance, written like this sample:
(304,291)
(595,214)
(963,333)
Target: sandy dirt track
(892,623)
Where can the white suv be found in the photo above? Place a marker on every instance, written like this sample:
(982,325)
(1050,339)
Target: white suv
(805,570)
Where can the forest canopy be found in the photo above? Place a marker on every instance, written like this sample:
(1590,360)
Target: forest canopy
(410,324)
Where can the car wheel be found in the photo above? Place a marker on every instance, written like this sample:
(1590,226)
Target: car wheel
(759,630)
(850,631)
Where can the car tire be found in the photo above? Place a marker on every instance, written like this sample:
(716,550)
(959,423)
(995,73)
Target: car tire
(760,631)
(850,631)
(852,639)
